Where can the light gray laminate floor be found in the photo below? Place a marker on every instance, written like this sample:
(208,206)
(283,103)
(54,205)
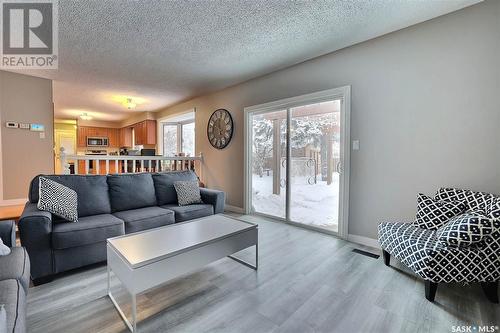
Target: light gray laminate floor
(306,282)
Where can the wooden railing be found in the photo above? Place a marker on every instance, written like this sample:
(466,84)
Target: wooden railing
(105,164)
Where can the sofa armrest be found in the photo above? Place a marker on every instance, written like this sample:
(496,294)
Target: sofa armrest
(8,232)
(35,230)
(215,198)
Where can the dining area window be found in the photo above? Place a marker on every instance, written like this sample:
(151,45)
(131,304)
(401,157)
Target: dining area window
(179,138)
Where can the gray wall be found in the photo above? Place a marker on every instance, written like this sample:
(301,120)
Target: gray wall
(425,107)
(23,154)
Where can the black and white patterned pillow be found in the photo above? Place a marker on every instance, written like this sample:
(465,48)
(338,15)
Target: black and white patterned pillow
(432,214)
(494,209)
(58,199)
(473,199)
(465,229)
(188,192)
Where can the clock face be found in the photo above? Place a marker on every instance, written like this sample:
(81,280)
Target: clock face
(220,128)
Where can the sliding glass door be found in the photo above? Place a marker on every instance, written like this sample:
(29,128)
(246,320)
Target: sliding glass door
(315,157)
(295,151)
(268,164)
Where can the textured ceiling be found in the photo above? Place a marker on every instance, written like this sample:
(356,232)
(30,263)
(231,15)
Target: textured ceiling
(167,51)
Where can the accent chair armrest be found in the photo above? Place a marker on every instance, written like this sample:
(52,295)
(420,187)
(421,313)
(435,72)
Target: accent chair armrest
(8,232)
(215,198)
(35,229)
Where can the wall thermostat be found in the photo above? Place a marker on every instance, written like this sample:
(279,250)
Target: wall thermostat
(37,127)
(11,124)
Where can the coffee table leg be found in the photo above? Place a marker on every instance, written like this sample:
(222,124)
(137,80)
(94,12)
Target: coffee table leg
(131,326)
(243,262)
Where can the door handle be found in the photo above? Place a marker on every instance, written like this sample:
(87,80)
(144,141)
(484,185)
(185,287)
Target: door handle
(339,168)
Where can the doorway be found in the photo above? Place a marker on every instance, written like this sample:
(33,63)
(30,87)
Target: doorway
(297,160)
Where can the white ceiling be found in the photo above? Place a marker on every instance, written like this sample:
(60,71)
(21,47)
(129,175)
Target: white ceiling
(167,51)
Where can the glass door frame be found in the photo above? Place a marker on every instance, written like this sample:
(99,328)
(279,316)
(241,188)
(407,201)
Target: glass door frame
(344,95)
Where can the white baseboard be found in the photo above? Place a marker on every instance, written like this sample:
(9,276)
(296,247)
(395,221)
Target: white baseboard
(13,202)
(234,209)
(363,241)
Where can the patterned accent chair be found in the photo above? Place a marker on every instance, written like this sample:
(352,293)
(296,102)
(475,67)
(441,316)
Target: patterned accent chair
(434,261)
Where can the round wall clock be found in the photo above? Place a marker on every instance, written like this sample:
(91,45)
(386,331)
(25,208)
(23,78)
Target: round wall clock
(220,128)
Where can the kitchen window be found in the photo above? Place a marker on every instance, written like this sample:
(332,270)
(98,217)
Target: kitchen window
(179,138)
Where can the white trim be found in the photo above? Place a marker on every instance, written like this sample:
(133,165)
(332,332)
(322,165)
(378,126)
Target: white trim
(342,93)
(234,209)
(13,202)
(363,241)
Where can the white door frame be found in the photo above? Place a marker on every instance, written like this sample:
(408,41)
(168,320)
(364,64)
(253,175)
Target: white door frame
(342,93)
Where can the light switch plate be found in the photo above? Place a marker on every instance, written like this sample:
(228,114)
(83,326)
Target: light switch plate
(355,144)
(42,135)
(24,126)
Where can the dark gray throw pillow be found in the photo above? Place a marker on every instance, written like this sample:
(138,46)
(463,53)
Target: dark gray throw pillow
(188,192)
(465,229)
(432,214)
(57,199)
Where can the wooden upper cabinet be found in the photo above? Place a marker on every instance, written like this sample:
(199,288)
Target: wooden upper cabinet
(82,136)
(114,137)
(126,137)
(145,132)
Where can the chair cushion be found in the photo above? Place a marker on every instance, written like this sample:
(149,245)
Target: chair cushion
(473,199)
(14,298)
(16,265)
(88,230)
(145,218)
(432,214)
(164,185)
(185,213)
(58,199)
(131,191)
(420,250)
(91,190)
(465,229)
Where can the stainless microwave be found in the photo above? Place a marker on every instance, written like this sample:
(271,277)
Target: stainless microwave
(97,141)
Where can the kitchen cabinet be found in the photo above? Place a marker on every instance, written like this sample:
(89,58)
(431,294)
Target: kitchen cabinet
(114,137)
(126,137)
(145,132)
(113,134)
(102,167)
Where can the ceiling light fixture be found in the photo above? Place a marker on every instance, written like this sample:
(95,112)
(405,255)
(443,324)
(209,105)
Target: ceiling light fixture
(85,116)
(129,104)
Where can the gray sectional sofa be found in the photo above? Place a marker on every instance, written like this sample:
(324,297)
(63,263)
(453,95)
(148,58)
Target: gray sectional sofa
(14,279)
(108,206)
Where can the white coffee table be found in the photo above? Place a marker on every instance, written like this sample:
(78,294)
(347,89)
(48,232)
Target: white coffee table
(147,259)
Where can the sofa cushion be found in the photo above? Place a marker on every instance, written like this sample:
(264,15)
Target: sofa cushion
(164,185)
(184,213)
(16,266)
(432,214)
(58,199)
(13,297)
(92,192)
(465,229)
(145,218)
(88,230)
(131,191)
